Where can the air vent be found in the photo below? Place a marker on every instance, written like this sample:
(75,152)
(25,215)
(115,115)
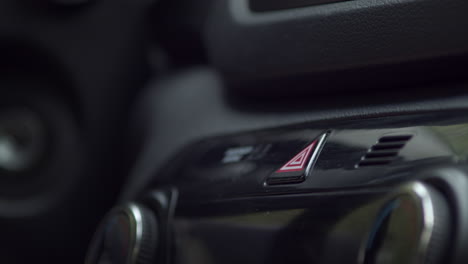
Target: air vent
(384,151)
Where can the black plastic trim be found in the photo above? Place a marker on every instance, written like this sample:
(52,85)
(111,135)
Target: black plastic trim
(271,5)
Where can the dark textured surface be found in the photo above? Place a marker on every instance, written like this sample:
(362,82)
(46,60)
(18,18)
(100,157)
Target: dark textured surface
(192,105)
(329,37)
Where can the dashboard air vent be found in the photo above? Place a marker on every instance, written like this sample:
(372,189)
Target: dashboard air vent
(384,151)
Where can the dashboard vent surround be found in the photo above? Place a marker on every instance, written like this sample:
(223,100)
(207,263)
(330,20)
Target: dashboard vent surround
(384,151)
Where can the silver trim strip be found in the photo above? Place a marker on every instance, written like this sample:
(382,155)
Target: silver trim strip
(318,148)
(422,198)
(134,212)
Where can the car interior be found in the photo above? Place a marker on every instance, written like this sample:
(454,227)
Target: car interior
(233,131)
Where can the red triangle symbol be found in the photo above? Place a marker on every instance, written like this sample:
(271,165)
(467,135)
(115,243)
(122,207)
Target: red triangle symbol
(299,162)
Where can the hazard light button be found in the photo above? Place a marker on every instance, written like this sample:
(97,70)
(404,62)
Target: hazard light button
(296,169)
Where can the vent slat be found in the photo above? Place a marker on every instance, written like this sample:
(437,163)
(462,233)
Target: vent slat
(388,146)
(379,159)
(367,163)
(384,151)
(398,138)
(381,154)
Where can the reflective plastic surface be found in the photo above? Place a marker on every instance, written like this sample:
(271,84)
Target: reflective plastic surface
(364,153)
(256,232)
(398,226)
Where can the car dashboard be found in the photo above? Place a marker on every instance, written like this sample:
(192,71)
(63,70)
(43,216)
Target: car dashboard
(227,131)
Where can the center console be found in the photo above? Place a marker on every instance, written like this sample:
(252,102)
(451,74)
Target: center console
(376,190)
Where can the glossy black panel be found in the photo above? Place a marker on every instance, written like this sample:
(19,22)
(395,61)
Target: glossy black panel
(388,151)
(290,229)
(339,227)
